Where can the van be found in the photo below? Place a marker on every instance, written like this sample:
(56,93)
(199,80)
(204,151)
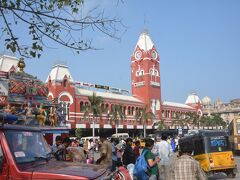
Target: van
(90,137)
(121,135)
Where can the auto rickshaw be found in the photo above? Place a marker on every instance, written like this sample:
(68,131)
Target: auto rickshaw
(212,150)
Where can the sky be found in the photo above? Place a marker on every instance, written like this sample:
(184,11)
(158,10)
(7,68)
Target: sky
(198,43)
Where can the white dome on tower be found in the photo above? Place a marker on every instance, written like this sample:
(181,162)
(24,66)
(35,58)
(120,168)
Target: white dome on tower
(206,100)
(193,99)
(58,72)
(144,42)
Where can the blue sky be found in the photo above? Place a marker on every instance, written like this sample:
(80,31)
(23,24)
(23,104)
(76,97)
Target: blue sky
(198,43)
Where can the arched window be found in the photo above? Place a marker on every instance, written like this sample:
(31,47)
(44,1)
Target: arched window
(129,110)
(82,107)
(65,83)
(107,108)
(137,111)
(124,110)
(112,106)
(140,72)
(132,110)
(151,71)
(103,108)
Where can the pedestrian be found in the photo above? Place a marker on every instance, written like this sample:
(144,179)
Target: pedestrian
(119,149)
(136,149)
(151,159)
(90,151)
(105,152)
(164,151)
(114,154)
(173,145)
(58,149)
(128,154)
(66,143)
(186,167)
(176,142)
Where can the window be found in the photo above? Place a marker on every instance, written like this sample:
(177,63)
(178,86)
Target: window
(64,83)
(81,106)
(132,110)
(129,110)
(139,72)
(153,72)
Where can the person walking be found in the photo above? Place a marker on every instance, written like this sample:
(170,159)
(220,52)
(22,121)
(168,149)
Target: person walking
(186,167)
(151,159)
(164,151)
(90,151)
(119,149)
(105,152)
(128,154)
(136,149)
(114,154)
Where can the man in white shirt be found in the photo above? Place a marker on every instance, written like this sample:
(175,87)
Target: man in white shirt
(164,151)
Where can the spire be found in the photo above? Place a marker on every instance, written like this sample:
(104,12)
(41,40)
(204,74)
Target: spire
(144,42)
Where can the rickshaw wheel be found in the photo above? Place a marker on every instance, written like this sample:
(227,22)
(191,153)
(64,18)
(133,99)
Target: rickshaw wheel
(231,174)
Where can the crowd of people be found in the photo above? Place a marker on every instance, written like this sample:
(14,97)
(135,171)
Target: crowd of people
(164,160)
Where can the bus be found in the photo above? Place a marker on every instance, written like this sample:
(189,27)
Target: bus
(234,134)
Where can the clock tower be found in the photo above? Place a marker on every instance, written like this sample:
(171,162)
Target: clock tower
(145,71)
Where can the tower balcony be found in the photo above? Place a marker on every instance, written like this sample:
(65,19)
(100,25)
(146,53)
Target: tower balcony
(152,83)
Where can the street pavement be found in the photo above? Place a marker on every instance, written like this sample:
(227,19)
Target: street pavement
(215,177)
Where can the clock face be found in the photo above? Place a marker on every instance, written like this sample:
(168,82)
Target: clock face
(138,55)
(154,55)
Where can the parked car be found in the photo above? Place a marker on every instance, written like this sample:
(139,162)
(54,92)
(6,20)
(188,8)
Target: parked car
(25,154)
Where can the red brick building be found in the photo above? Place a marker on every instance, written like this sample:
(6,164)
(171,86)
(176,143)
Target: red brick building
(146,91)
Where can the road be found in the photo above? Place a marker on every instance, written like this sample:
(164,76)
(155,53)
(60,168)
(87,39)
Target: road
(215,177)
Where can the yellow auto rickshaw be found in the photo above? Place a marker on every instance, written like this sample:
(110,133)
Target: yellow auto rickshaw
(211,148)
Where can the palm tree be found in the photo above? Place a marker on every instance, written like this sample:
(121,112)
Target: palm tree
(192,118)
(117,114)
(94,109)
(144,116)
(161,125)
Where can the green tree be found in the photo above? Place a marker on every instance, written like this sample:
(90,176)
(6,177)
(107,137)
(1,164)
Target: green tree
(94,109)
(116,115)
(217,120)
(213,120)
(161,125)
(60,21)
(78,133)
(144,117)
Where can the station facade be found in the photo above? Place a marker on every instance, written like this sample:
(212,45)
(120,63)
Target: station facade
(146,92)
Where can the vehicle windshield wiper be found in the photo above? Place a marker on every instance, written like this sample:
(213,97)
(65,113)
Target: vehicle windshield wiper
(42,158)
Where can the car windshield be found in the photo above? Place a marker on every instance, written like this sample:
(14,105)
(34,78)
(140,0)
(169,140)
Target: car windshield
(27,146)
